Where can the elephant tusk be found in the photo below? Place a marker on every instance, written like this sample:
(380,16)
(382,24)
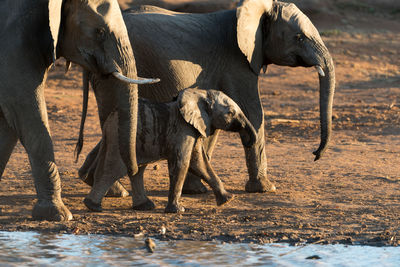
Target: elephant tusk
(320,71)
(264,69)
(140,80)
(67,66)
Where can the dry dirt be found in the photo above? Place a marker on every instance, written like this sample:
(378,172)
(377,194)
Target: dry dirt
(351,195)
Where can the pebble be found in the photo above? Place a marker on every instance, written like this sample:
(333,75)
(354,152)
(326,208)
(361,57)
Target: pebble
(150,245)
(163,230)
(313,257)
(141,234)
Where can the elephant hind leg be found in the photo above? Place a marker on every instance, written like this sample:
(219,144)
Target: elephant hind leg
(8,141)
(200,165)
(193,184)
(86,173)
(107,167)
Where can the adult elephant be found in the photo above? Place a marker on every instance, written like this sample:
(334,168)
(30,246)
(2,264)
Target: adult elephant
(32,35)
(224,50)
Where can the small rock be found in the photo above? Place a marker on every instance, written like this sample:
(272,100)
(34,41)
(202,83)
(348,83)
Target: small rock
(141,234)
(163,230)
(76,231)
(313,257)
(150,245)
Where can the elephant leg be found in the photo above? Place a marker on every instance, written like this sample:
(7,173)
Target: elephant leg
(200,165)
(32,127)
(101,183)
(256,162)
(8,141)
(104,178)
(178,165)
(107,166)
(105,99)
(193,184)
(139,198)
(86,173)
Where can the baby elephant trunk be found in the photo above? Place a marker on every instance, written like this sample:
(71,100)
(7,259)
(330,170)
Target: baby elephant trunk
(248,133)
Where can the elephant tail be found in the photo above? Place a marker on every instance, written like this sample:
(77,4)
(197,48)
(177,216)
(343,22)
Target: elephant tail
(79,143)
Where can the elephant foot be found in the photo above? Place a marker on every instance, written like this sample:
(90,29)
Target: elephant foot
(223,199)
(92,205)
(171,208)
(193,186)
(50,211)
(260,186)
(117,190)
(147,205)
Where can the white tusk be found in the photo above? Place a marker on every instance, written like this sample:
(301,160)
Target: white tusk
(121,77)
(264,69)
(320,71)
(67,66)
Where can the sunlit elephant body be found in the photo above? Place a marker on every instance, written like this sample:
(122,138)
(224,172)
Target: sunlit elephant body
(225,50)
(32,35)
(173,131)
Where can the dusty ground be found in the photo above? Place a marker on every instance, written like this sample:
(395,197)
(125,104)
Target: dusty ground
(351,195)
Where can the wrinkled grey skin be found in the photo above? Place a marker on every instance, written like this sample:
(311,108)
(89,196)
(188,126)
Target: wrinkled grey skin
(174,131)
(225,50)
(32,35)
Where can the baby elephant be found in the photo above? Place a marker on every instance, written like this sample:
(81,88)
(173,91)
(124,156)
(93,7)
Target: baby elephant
(174,131)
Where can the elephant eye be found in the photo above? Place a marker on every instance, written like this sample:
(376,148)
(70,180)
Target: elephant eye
(300,37)
(100,33)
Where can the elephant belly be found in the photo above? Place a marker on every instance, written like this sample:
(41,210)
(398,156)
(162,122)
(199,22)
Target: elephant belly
(151,132)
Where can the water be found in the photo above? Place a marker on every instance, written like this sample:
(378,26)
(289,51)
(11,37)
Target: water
(33,249)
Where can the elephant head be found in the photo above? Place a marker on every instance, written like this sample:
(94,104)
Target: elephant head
(207,110)
(273,32)
(92,33)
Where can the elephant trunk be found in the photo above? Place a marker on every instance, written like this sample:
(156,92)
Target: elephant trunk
(127,106)
(327,90)
(248,133)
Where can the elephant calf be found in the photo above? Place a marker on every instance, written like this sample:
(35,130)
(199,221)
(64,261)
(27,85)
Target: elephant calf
(174,131)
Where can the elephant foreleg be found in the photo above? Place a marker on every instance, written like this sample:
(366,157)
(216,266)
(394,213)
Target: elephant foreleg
(139,198)
(178,166)
(8,141)
(256,162)
(30,118)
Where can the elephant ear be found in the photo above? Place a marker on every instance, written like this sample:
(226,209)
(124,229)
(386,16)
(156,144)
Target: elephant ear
(194,106)
(54,22)
(249,30)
